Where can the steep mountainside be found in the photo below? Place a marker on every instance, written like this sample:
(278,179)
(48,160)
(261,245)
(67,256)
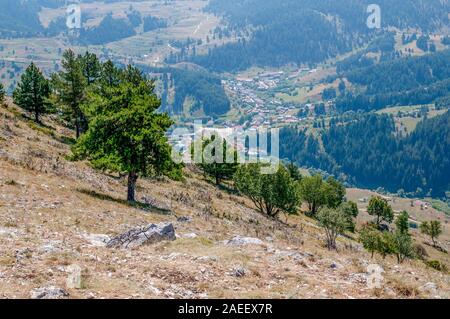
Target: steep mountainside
(55,214)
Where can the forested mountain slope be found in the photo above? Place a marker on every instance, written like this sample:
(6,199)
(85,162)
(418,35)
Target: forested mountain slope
(406,81)
(367,152)
(274,33)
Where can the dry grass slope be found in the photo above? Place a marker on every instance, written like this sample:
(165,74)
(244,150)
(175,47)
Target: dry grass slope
(52,212)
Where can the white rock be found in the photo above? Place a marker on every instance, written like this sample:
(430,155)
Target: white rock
(74,280)
(50,292)
(239,241)
(97,240)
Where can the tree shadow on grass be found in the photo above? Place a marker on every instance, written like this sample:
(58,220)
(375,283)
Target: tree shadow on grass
(138,205)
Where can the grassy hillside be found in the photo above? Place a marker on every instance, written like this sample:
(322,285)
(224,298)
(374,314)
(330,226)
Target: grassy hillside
(53,211)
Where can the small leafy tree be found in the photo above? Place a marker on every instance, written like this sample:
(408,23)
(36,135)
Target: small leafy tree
(380,208)
(311,192)
(334,192)
(433,229)
(403,246)
(218,159)
(272,194)
(32,92)
(370,238)
(2,94)
(126,134)
(334,222)
(402,223)
(386,244)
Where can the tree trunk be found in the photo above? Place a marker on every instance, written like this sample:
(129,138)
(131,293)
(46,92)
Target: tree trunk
(36,116)
(77,129)
(132,178)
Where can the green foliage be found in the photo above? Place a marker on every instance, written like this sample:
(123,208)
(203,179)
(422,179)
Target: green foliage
(91,67)
(334,192)
(380,208)
(216,158)
(2,94)
(318,193)
(350,209)
(437,265)
(311,191)
(334,222)
(402,222)
(387,243)
(272,194)
(32,92)
(370,238)
(433,229)
(404,247)
(294,172)
(125,132)
(70,85)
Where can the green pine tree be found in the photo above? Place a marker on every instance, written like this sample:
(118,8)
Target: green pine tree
(402,223)
(126,134)
(32,92)
(2,93)
(218,159)
(91,67)
(70,85)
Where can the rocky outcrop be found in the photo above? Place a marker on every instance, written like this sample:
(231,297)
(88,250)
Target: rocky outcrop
(50,292)
(143,236)
(240,241)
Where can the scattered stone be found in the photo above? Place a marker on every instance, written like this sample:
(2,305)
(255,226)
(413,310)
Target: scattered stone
(50,292)
(190,235)
(334,265)
(184,219)
(429,287)
(8,232)
(239,271)
(239,241)
(23,253)
(74,280)
(51,247)
(143,236)
(155,204)
(97,240)
(206,259)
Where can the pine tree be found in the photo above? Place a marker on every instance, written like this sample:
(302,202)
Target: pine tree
(218,159)
(2,94)
(32,92)
(126,134)
(91,67)
(402,223)
(70,86)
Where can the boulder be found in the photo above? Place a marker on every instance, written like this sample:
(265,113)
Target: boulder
(139,236)
(50,292)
